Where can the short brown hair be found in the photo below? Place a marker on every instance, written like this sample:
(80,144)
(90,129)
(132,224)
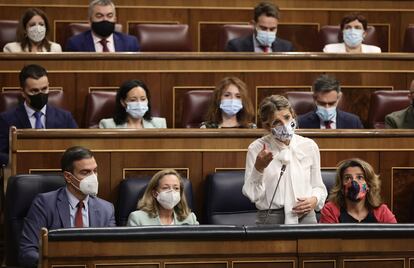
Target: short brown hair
(354,16)
(373,199)
(266,8)
(270,105)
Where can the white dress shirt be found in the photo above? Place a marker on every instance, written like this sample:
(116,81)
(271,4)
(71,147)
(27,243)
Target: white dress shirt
(97,43)
(302,177)
(73,202)
(30,114)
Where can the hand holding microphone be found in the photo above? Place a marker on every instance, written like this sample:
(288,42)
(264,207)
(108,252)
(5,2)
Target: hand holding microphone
(263,159)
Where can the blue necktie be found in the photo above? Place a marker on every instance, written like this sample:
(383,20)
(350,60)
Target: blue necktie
(38,116)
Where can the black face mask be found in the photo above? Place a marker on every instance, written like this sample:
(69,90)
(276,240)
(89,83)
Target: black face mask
(38,101)
(103,28)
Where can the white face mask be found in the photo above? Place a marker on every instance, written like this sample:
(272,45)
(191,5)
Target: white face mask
(326,114)
(36,33)
(88,185)
(353,37)
(284,132)
(168,199)
(137,109)
(265,38)
(231,106)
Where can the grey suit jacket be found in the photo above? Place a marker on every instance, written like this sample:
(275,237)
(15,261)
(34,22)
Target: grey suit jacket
(51,210)
(156,122)
(400,119)
(139,217)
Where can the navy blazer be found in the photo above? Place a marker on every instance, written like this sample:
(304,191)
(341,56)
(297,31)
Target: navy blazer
(245,44)
(344,120)
(55,118)
(51,210)
(83,42)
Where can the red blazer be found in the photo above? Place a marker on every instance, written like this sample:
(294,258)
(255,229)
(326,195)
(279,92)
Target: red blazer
(330,214)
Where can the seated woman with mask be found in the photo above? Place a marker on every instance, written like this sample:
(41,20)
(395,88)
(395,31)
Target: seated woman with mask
(355,198)
(353,29)
(32,34)
(133,108)
(230,106)
(283,172)
(163,203)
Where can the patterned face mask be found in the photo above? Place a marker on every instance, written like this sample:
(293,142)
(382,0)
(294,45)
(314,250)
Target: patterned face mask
(355,191)
(284,132)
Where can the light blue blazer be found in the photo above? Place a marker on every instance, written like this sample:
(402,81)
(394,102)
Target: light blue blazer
(156,122)
(139,217)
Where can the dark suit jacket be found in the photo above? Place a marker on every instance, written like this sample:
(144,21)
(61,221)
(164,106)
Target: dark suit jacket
(343,120)
(83,42)
(55,118)
(51,210)
(245,44)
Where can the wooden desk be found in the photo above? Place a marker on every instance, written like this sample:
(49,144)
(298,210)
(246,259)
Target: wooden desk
(333,246)
(170,75)
(195,153)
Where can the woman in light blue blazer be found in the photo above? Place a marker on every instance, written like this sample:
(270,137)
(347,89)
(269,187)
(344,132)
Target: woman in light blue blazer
(133,108)
(163,203)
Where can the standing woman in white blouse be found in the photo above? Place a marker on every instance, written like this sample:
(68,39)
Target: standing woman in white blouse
(354,28)
(32,34)
(300,190)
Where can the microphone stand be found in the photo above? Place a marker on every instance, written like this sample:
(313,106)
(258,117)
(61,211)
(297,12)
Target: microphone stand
(282,170)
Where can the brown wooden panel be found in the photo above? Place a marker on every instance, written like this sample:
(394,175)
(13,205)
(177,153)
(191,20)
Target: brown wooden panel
(128,265)
(402,182)
(199,264)
(318,263)
(374,263)
(265,264)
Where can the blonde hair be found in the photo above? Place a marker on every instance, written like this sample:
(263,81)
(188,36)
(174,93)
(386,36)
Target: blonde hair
(270,105)
(373,198)
(149,203)
(244,116)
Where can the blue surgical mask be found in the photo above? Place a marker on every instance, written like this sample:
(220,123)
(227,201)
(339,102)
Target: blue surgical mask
(265,38)
(284,132)
(353,37)
(326,114)
(137,109)
(231,106)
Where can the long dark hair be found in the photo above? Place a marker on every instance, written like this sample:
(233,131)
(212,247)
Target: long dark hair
(21,29)
(120,116)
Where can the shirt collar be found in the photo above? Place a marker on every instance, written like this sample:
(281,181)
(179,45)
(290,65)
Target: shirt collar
(97,39)
(30,111)
(73,201)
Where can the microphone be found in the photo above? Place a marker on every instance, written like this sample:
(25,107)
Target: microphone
(283,157)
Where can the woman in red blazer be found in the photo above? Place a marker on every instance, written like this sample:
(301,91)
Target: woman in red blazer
(355,198)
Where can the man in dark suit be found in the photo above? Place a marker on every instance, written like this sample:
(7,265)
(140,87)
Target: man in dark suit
(403,118)
(75,205)
(326,94)
(266,19)
(34,112)
(102,37)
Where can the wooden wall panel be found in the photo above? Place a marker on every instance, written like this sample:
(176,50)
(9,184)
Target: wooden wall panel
(391,17)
